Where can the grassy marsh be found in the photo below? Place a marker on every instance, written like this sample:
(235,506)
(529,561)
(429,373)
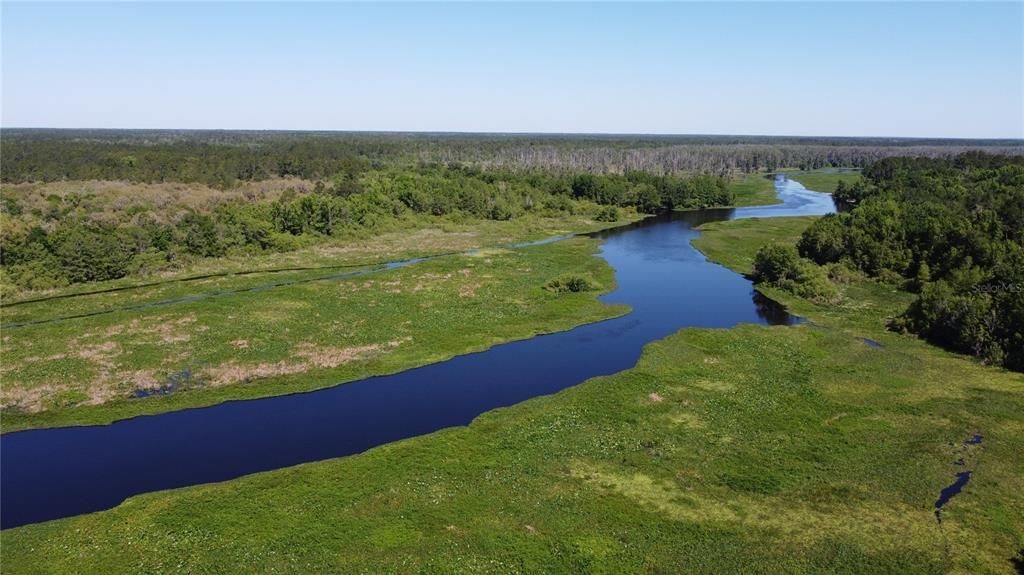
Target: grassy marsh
(408,237)
(823,181)
(754,449)
(86,370)
(297,337)
(754,190)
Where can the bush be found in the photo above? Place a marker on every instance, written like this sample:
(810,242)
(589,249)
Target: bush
(775,263)
(780,266)
(149,262)
(571,283)
(890,277)
(648,199)
(201,236)
(824,241)
(841,273)
(91,253)
(811,283)
(560,203)
(608,214)
(964,321)
(283,242)
(36,275)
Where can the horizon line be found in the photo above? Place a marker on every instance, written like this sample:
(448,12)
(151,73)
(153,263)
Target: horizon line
(1019,141)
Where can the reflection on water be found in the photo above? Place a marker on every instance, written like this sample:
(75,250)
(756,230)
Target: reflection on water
(772,312)
(53,473)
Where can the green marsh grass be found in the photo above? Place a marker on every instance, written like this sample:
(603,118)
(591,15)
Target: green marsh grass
(292,338)
(754,190)
(747,450)
(823,182)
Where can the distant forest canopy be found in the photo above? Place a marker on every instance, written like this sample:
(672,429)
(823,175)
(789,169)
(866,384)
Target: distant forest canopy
(222,158)
(51,240)
(951,230)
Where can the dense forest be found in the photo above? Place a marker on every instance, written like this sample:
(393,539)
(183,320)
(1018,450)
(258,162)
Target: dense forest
(951,230)
(222,158)
(69,239)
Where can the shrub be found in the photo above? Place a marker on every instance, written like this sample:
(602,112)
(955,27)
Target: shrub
(149,262)
(775,263)
(841,273)
(890,277)
(560,203)
(781,267)
(965,321)
(824,241)
(648,199)
(571,283)
(283,242)
(608,214)
(36,275)
(91,253)
(84,239)
(201,235)
(811,282)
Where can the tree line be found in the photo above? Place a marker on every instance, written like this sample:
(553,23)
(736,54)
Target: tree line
(951,230)
(222,158)
(66,244)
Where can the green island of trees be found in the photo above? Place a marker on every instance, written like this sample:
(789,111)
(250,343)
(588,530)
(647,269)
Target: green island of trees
(950,230)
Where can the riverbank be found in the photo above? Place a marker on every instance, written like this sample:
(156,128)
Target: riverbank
(825,180)
(241,331)
(757,189)
(409,237)
(783,449)
(754,190)
(298,337)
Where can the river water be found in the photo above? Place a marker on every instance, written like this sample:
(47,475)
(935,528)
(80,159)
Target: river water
(53,473)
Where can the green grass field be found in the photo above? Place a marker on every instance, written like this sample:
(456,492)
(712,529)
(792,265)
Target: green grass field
(759,189)
(754,190)
(292,338)
(734,243)
(747,450)
(820,182)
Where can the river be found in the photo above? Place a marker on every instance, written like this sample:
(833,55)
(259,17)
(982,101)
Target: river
(53,473)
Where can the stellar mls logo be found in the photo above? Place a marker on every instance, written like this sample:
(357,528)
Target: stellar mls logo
(998,288)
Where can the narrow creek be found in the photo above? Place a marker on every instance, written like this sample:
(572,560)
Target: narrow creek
(53,473)
(962,478)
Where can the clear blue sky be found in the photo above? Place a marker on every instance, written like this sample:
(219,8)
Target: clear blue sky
(865,69)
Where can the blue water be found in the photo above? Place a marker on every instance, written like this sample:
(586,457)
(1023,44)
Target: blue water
(52,473)
(962,479)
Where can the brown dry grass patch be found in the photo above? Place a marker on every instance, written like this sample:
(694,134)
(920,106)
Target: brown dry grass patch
(110,201)
(312,356)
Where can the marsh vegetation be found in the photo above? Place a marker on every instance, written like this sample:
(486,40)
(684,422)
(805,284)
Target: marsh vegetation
(148,272)
(792,449)
(55,235)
